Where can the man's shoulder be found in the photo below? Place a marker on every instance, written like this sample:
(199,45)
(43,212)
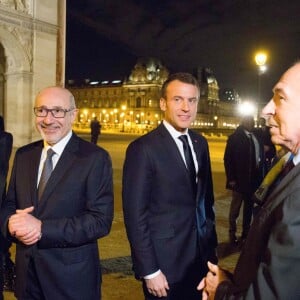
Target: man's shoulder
(6,137)
(84,147)
(153,139)
(30,146)
(196,135)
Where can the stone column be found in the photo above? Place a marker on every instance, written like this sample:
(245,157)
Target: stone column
(61,43)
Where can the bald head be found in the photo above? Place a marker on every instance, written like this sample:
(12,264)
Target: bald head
(57,113)
(59,92)
(282,111)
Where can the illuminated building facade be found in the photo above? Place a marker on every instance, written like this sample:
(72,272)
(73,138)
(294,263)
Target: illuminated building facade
(133,105)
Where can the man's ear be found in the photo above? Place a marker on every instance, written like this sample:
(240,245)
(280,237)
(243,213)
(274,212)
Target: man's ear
(162,104)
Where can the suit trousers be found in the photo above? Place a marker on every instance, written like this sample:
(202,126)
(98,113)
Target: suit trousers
(33,287)
(237,200)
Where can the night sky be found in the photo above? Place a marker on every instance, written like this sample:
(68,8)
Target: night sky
(226,45)
(92,56)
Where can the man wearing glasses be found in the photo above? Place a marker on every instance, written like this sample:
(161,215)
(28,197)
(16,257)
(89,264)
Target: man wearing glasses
(59,202)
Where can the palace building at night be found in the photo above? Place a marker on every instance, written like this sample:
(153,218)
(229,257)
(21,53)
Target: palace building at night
(132,105)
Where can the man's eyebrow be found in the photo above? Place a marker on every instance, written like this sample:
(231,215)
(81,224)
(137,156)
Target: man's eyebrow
(278,90)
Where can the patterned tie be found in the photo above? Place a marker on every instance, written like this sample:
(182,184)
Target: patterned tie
(47,170)
(274,176)
(189,159)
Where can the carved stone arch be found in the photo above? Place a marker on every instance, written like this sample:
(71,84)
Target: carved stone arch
(32,58)
(17,60)
(17,88)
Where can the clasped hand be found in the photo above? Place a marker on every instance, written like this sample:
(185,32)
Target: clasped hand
(24,226)
(209,284)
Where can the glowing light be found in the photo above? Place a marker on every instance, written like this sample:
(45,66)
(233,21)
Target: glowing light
(261,58)
(247,108)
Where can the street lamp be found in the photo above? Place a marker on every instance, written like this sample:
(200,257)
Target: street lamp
(260,58)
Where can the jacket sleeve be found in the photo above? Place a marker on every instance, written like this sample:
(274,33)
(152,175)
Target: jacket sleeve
(136,196)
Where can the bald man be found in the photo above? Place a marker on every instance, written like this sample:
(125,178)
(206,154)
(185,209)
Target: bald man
(59,202)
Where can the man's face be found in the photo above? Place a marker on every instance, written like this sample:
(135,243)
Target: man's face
(54,129)
(248,123)
(282,111)
(180,105)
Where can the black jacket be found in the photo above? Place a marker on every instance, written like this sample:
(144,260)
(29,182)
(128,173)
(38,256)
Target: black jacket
(240,165)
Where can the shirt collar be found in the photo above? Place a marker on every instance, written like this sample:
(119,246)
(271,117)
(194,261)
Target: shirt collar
(174,133)
(296,158)
(59,147)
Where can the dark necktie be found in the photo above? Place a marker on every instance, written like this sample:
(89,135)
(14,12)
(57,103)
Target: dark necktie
(47,170)
(189,159)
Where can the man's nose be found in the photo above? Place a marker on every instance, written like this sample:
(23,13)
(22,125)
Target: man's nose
(49,118)
(185,105)
(268,109)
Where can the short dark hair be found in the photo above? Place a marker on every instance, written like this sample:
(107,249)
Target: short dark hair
(180,76)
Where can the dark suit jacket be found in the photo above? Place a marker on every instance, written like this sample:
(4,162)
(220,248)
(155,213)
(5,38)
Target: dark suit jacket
(159,206)
(76,209)
(269,265)
(6,141)
(240,165)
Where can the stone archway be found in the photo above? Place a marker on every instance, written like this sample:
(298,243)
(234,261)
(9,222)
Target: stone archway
(17,87)
(32,38)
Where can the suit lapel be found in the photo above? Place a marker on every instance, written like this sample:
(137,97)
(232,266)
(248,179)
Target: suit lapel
(33,168)
(282,189)
(64,163)
(171,148)
(197,149)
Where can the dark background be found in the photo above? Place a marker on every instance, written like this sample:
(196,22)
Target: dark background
(105,38)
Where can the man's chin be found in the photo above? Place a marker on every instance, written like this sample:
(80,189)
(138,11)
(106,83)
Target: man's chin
(277,139)
(50,139)
(281,141)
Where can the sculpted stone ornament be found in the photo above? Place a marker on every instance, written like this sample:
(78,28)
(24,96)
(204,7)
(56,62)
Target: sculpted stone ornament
(19,5)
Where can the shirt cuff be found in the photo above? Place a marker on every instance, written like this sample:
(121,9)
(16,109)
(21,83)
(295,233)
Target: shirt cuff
(150,276)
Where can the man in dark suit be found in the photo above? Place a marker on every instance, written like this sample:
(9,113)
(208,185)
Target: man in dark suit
(168,205)
(244,167)
(6,265)
(269,265)
(56,228)
(95,130)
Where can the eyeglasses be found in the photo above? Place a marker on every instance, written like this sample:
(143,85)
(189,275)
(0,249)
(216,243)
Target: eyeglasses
(55,112)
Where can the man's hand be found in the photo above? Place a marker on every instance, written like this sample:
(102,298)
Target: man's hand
(209,284)
(158,285)
(25,227)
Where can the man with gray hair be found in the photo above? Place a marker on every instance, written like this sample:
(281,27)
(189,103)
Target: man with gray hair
(269,265)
